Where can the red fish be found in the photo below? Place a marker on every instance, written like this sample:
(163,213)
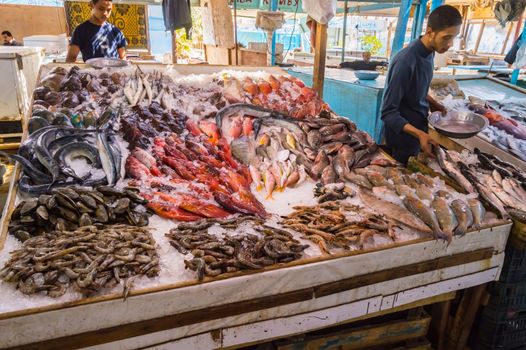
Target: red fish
(136,169)
(512,127)
(172,212)
(236,127)
(274,83)
(193,128)
(250,87)
(211,130)
(174,152)
(193,205)
(297,81)
(180,167)
(226,153)
(235,205)
(264,87)
(146,159)
(248,127)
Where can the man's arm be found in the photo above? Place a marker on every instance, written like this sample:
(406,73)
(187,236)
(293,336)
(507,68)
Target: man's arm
(122,53)
(73,52)
(426,142)
(434,105)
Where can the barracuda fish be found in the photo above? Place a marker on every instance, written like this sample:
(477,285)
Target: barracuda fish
(76,150)
(452,171)
(106,157)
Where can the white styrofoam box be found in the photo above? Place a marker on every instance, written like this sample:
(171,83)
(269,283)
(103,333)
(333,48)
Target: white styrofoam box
(51,43)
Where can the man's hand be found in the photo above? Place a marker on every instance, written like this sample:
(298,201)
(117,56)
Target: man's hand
(426,142)
(436,106)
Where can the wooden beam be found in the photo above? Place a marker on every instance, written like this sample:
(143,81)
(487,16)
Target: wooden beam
(320,54)
(482,26)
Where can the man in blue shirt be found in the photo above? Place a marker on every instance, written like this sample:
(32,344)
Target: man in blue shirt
(405,103)
(97,37)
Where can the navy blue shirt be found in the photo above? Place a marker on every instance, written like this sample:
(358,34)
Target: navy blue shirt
(405,95)
(98,41)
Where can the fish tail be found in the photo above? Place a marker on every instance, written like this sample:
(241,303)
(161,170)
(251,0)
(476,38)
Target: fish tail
(259,187)
(460,230)
(269,196)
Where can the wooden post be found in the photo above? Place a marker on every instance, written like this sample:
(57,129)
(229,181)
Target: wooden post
(482,26)
(464,317)
(174,47)
(320,53)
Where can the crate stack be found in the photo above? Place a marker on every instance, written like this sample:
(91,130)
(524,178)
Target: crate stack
(502,323)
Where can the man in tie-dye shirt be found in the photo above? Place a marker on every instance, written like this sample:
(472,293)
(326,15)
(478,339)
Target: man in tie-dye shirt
(97,37)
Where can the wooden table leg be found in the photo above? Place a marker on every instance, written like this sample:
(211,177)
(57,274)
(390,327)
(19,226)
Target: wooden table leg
(464,317)
(440,318)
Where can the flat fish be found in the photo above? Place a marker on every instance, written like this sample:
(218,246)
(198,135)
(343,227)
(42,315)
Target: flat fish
(243,149)
(359,180)
(387,195)
(393,211)
(404,191)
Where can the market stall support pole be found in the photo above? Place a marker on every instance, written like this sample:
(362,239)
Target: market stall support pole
(320,53)
(344,29)
(235,32)
(401,27)
(174,47)
(273,7)
(464,317)
(515,74)
(435,4)
(418,20)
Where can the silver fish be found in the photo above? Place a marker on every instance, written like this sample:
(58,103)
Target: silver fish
(243,149)
(478,211)
(393,211)
(446,217)
(463,214)
(426,214)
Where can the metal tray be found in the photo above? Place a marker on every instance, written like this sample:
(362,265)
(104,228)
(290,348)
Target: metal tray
(105,62)
(458,125)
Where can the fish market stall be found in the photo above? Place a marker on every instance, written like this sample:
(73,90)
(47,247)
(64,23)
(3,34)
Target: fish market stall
(504,106)
(358,100)
(201,207)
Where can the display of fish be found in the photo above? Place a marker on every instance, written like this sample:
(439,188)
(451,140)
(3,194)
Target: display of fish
(47,161)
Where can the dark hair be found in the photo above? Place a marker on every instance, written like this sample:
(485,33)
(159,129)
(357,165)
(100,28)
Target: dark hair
(6,32)
(443,17)
(94,2)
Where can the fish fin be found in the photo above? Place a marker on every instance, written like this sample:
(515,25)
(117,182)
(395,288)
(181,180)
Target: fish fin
(259,187)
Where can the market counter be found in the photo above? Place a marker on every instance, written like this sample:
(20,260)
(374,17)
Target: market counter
(257,306)
(357,100)
(174,310)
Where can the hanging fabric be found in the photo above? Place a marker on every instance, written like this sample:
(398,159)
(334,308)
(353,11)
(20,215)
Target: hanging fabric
(177,15)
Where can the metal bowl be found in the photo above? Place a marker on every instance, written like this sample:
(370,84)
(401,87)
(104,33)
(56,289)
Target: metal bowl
(458,125)
(106,62)
(366,74)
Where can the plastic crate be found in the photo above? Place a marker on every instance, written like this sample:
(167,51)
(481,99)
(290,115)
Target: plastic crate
(514,267)
(508,295)
(501,329)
